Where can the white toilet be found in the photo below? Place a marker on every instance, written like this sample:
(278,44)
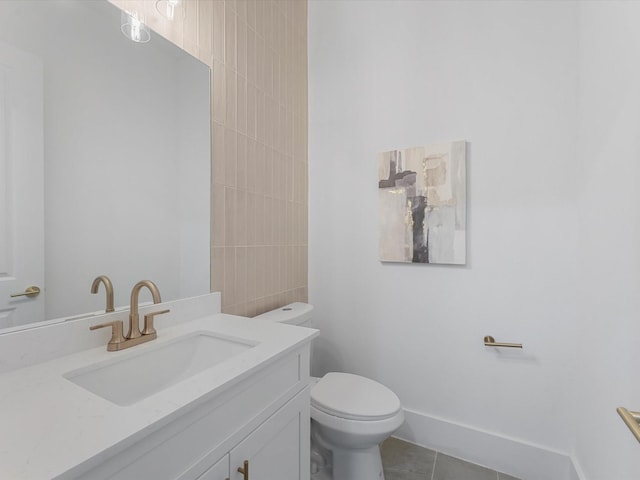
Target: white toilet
(350,415)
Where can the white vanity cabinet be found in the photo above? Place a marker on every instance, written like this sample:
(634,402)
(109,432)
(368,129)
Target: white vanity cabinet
(200,424)
(218,471)
(262,419)
(278,449)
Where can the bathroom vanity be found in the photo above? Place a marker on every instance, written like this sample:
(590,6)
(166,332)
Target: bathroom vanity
(214,397)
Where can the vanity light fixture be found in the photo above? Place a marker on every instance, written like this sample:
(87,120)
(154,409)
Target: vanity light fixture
(171,9)
(133,26)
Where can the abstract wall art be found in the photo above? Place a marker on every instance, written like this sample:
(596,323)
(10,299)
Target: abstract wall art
(422,204)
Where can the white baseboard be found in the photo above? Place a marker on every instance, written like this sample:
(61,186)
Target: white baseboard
(513,457)
(576,472)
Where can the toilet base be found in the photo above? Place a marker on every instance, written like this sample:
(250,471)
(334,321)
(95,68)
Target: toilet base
(322,475)
(339,450)
(352,465)
(363,464)
(332,462)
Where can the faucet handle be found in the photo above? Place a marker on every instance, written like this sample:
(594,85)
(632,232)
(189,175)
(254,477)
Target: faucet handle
(148,321)
(116,334)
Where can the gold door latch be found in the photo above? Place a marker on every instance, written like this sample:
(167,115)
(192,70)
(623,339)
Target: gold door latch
(29,292)
(632,420)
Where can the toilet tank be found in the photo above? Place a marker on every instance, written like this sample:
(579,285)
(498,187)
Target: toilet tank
(296,313)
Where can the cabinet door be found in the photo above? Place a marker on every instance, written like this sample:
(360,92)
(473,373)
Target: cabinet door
(219,471)
(279,448)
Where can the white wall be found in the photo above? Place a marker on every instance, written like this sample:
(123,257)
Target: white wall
(552,229)
(609,325)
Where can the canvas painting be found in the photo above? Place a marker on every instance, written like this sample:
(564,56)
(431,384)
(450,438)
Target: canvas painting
(422,204)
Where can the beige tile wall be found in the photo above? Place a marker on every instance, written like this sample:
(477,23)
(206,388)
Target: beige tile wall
(257,50)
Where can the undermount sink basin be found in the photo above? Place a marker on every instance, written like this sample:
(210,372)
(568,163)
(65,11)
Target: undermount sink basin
(127,380)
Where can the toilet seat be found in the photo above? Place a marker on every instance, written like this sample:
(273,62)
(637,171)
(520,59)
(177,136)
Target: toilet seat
(353,397)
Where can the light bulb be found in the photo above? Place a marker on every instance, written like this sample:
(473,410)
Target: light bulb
(170,9)
(133,27)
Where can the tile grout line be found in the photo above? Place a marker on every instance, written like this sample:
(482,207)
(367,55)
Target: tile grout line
(433,470)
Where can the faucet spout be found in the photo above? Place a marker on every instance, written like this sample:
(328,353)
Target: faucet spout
(134,316)
(108,286)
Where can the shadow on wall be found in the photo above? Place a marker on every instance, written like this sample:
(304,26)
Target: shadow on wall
(327,358)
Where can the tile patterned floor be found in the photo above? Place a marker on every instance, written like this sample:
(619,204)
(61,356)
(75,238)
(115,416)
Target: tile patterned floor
(405,461)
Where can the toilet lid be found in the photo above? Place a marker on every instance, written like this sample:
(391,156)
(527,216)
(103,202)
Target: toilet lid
(354,397)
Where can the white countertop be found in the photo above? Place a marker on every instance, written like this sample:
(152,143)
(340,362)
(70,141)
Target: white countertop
(49,424)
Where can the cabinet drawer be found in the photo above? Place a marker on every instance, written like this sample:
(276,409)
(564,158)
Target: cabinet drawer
(207,432)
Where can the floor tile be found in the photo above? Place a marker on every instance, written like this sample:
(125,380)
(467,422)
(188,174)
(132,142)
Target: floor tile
(449,468)
(402,475)
(405,461)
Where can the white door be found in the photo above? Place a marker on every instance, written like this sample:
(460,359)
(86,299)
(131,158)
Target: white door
(21,187)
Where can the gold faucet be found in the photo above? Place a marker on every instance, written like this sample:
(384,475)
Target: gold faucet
(134,336)
(108,286)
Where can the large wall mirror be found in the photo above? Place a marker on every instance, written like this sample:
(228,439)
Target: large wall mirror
(104,161)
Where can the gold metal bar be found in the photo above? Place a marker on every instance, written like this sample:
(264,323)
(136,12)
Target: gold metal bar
(31,291)
(244,470)
(489,341)
(632,420)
